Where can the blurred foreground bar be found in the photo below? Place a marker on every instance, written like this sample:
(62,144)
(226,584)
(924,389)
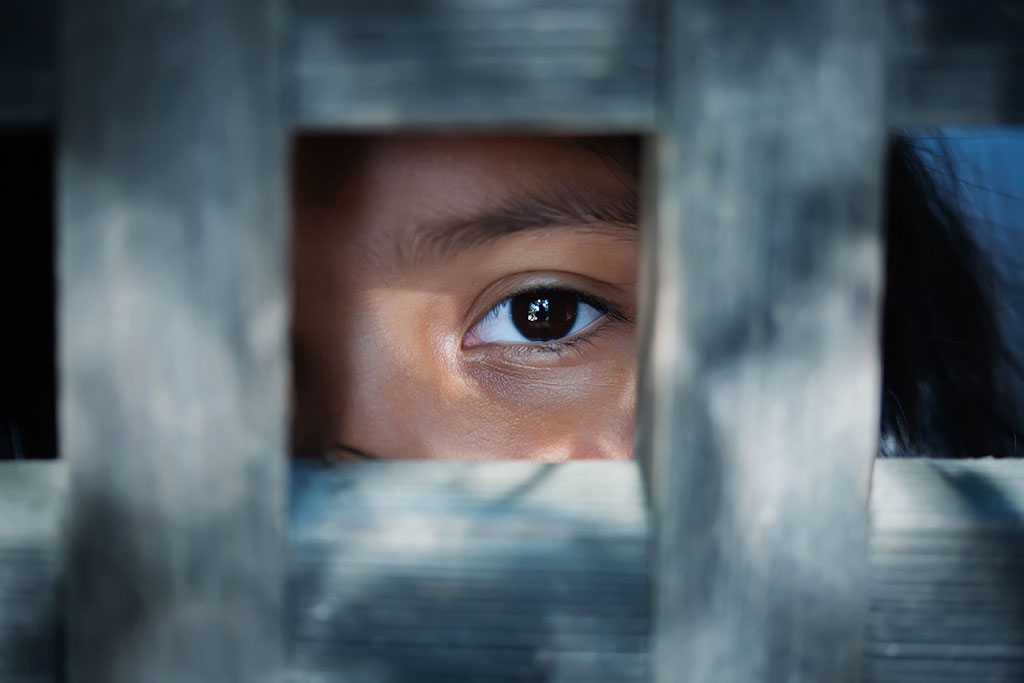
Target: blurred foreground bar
(33,496)
(544,65)
(448,572)
(173,316)
(947,572)
(454,572)
(759,370)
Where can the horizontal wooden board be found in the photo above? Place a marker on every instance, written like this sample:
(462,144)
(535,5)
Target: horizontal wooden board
(543,64)
(953,62)
(521,571)
(442,572)
(32,495)
(947,572)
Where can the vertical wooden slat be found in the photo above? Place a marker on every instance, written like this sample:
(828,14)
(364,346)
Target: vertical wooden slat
(172,254)
(761,385)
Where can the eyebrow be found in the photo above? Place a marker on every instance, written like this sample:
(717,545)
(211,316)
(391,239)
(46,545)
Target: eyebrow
(566,206)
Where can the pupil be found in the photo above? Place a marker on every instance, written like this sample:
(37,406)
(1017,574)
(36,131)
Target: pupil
(542,316)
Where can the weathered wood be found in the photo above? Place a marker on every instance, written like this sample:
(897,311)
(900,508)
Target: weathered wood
(956,63)
(439,562)
(461,64)
(173,316)
(28,56)
(761,380)
(549,65)
(449,572)
(947,572)
(31,505)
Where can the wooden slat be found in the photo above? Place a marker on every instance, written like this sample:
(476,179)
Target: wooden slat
(761,380)
(956,63)
(28,55)
(583,65)
(460,64)
(947,572)
(31,505)
(172,311)
(441,561)
(453,572)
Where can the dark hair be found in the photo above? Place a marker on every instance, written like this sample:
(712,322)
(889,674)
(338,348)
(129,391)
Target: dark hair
(941,342)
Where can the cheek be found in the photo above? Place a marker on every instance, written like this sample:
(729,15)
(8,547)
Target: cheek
(574,413)
(411,412)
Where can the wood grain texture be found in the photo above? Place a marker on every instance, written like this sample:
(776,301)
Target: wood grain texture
(544,64)
(956,63)
(947,572)
(458,64)
(404,568)
(173,315)
(451,572)
(760,383)
(31,506)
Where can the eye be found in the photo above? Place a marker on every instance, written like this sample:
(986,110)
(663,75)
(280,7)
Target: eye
(536,316)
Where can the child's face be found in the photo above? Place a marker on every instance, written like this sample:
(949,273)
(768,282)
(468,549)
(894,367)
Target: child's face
(464,298)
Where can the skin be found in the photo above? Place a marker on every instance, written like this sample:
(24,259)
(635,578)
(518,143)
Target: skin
(401,247)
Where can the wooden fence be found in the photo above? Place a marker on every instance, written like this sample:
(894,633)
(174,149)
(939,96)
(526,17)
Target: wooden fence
(739,547)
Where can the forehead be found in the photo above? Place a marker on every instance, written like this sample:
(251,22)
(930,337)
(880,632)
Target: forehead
(385,188)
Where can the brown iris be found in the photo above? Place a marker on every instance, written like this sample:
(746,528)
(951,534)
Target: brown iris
(542,316)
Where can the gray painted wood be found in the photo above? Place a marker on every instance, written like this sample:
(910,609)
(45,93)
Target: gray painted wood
(31,504)
(403,568)
(545,64)
(947,572)
(448,572)
(173,316)
(760,385)
(956,63)
(459,64)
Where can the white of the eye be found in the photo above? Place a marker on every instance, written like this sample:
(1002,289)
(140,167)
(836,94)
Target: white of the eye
(498,327)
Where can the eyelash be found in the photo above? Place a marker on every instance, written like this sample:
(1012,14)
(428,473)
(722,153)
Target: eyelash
(608,311)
